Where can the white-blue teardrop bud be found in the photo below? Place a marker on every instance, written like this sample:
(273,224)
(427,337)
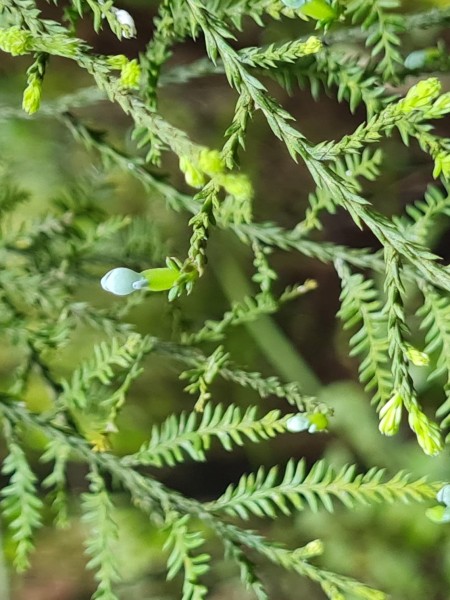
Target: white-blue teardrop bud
(298,423)
(294,3)
(443,495)
(416,60)
(126,22)
(122,281)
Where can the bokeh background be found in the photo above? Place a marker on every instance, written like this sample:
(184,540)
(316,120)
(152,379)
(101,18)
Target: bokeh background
(395,548)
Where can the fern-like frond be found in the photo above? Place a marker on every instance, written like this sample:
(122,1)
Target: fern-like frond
(191,434)
(203,374)
(235,10)
(155,500)
(263,386)
(58,452)
(365,165)
(263,494)
(333,584)
(435,321)
(350,167)
(246,569)
(272,386)
(265,233)
(98,388)
(424,214)
(361,307)
(247,310)
(108,357)
(377,16)
(181,543)
(337,72)
(427,431)
(102,534)
(269,57)
(20,503)
(49,259)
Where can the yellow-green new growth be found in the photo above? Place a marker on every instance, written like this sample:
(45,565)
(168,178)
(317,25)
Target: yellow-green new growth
(312,45)
(117,61)
(14,40)
(421,95)
(442,165)
(209,163)
(237,185)
(390,415)
(192,174)
(31,100)
(311,550)
(130,74)
(418,358)
(195,169)
(427,432)
(35,76)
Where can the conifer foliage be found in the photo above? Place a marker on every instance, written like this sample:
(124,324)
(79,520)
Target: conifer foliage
(47,256)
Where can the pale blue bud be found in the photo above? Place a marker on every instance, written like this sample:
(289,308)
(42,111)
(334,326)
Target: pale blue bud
(294,3)
(126,22)
(443,495)
(416,60)
(122,281)
(298,423)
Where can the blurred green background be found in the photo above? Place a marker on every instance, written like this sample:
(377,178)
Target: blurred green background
(396,548)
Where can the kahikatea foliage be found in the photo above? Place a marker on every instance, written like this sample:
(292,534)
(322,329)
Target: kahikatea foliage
(44,259)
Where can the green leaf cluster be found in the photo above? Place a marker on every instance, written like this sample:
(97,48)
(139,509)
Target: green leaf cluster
(393,302)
